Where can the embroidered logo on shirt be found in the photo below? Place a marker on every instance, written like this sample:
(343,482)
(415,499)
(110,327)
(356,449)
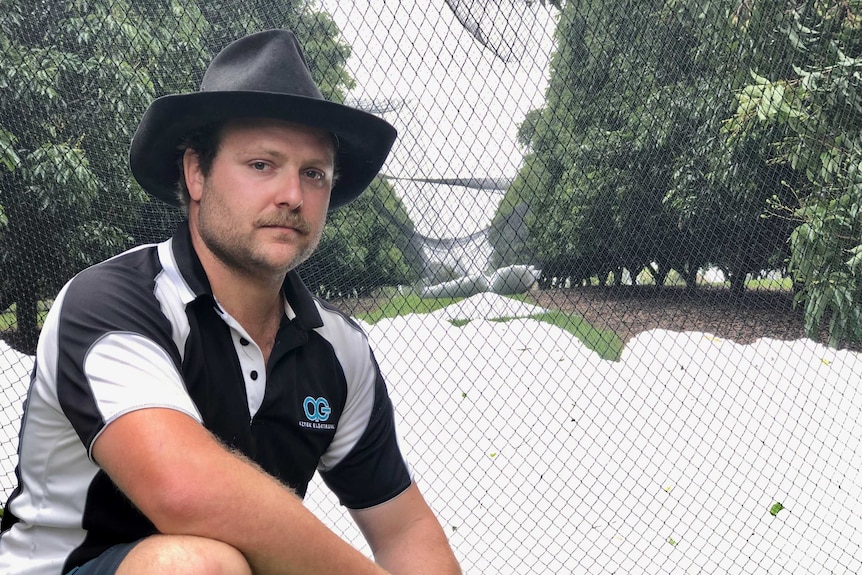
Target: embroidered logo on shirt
(317,410)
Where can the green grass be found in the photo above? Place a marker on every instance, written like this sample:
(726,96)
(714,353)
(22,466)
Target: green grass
(606,343)
(757,285)
(675,279)
(783,284)
(405,304)
(7,321)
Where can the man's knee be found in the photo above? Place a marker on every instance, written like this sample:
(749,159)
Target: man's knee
(183,555)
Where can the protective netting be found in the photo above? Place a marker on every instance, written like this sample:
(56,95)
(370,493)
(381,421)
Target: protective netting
(612,269)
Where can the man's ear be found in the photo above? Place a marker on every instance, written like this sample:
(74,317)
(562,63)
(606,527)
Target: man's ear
(193,175)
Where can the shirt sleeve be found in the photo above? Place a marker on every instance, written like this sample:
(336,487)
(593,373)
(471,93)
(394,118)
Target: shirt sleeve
(375,470)
(364,465)
(127,371)
(114,349)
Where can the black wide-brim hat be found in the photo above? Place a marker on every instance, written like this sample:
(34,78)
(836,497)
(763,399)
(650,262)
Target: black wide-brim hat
(263,75)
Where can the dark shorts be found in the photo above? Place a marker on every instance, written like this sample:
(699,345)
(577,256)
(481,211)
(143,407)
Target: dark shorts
(107,563)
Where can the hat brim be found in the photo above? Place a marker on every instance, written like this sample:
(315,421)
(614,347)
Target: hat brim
(364,140)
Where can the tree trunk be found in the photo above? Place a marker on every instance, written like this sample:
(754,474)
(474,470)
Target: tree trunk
(737,283)
(27,325)
(689,274)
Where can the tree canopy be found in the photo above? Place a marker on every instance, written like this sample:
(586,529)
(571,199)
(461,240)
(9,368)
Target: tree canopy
(679,134)
(806,115)
(76,76)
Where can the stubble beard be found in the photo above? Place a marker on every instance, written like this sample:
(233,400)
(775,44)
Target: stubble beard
(241,253)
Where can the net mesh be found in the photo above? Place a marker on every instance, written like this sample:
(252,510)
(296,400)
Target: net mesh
(612,269)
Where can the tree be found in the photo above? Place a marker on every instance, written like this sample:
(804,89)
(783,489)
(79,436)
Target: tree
(509,236)
(57,168)
(76,76)
(627,164)
(365,245)
(598,166)
(809,116)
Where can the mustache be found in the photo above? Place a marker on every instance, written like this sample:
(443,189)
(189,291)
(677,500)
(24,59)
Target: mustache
(286,220)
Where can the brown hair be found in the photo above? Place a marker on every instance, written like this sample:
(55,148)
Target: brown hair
(204,142)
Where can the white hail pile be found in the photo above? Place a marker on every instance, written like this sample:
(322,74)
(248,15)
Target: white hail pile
(690,455)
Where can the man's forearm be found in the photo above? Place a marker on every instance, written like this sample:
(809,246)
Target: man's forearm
(186,483)
(420,550)
(282,536)
(406,536)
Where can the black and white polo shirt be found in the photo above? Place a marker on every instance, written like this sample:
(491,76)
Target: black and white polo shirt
(143,330)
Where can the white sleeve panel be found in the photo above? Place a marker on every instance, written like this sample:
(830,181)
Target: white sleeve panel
(360,372)
(127,371)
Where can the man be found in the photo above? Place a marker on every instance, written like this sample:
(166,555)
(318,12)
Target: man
(185,393)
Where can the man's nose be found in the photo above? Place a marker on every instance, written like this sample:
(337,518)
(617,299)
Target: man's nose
(289,193)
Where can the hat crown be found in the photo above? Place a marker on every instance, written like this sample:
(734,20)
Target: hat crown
(270,61)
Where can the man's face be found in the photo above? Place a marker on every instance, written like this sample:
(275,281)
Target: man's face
(262,208)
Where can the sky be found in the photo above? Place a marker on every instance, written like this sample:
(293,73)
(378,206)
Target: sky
(540,457)
(462,102)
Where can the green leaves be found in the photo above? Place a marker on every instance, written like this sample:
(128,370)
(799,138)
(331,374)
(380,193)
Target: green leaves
(9,159)
(76,75)
(60,177)
(765,102)
(627,163)
(811,122)
(826,261)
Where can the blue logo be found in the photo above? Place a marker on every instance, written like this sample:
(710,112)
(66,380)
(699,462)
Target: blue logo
(316,409)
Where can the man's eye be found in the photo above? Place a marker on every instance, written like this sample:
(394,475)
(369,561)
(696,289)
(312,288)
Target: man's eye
(314,175)
(259,165)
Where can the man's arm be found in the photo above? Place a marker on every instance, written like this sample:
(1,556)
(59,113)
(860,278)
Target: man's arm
(187,483)
(406,537)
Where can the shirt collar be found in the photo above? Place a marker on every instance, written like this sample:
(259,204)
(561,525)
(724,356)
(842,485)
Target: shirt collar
(297,295)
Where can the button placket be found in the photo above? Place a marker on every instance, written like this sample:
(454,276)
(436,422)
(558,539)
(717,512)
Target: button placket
(252,366)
